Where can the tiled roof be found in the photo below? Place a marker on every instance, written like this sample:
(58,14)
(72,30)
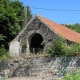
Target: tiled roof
(62,30)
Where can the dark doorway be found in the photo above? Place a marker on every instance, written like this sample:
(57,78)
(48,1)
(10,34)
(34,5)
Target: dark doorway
(36,41)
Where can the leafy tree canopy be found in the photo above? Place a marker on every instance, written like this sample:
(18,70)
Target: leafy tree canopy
(75,27)
(11,19)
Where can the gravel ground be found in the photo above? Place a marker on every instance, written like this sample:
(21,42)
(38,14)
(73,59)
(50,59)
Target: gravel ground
(33,78)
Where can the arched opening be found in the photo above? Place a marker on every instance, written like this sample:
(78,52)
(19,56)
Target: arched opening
(35,43)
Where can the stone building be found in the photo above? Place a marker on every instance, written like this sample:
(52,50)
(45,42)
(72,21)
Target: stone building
(38,34)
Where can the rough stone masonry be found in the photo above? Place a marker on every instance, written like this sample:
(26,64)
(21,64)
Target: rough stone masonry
(55,66)
(33,35)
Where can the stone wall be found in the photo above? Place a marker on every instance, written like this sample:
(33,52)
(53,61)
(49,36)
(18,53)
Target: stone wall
(35,26)
(55,66)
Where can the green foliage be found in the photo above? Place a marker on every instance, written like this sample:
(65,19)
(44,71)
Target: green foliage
(75,27)
(57,47)
(11,20)
(61,48)
(72,49)
(2,37)
(49,51)
(4,54)
(75,75)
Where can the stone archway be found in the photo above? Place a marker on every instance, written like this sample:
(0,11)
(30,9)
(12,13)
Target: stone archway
(35,43)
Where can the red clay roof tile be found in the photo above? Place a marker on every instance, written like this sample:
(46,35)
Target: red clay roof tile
(62,30)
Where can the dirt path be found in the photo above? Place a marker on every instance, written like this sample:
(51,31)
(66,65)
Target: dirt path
(33,78)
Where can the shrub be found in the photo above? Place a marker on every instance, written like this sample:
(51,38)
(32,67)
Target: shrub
(56,48)
(75,75)
(72,50)
(49,51)
(60,48)
(3,53)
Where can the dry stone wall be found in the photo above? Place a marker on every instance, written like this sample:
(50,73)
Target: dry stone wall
(55,66)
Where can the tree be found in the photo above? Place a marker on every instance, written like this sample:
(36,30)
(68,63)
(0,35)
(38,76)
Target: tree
(11,20)
(75,27)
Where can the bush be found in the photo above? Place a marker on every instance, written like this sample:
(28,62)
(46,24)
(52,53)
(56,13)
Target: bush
(72,50)
(61,48)
(75,75)
(56,48)
(3,53)
(49,51)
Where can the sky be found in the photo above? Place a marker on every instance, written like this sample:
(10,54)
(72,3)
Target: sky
(60,11)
